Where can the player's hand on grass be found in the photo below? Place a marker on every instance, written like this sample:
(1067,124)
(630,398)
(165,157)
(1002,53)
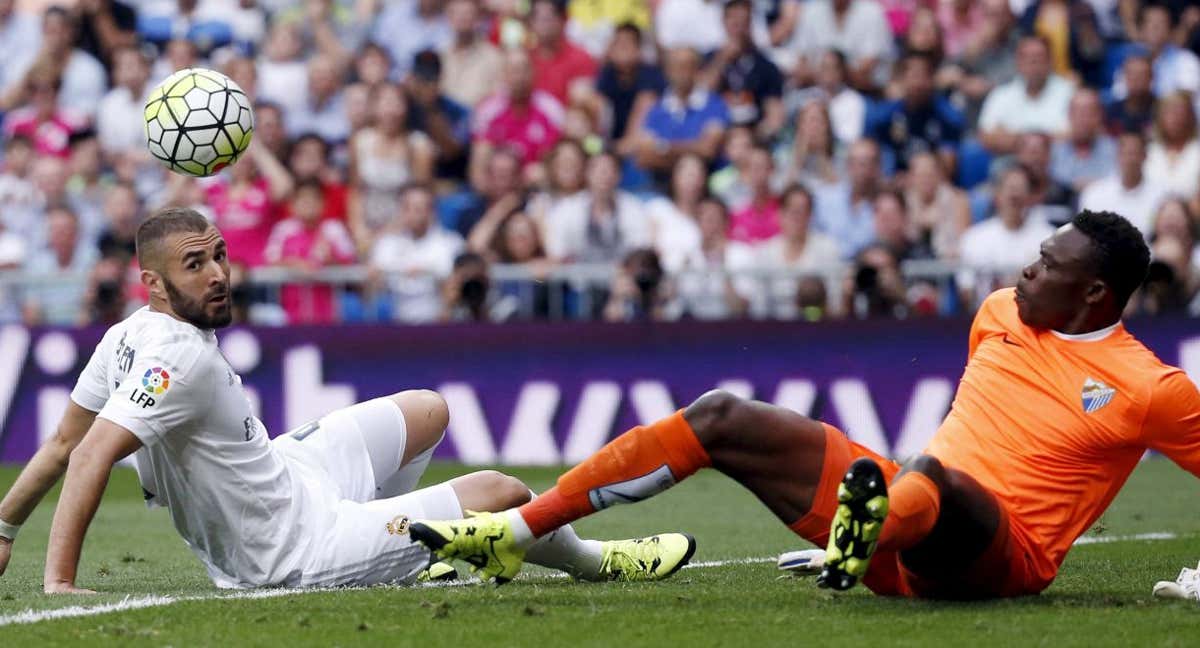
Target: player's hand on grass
(5,554)
(64,587)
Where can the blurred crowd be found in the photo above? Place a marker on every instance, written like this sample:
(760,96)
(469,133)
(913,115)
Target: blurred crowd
(713,158)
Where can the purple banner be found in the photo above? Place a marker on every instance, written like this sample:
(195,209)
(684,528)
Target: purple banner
(553,393)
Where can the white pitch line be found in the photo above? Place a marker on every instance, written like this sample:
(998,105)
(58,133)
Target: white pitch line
(139,603)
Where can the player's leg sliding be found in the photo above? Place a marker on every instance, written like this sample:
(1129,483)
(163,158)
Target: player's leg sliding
(854,532)
(636,465)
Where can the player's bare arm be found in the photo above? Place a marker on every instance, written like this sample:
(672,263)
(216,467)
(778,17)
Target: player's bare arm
(90,464)
(40,475)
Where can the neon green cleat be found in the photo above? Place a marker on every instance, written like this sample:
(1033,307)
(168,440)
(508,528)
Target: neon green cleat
(483,540)
(646,559)
(854,532)
(438,571)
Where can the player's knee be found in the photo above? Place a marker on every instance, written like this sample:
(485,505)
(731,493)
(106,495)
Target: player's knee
(426,416)
(508,490)
(710,416)
(929,466)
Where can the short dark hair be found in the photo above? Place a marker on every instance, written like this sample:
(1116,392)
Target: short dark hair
(630,28)
(310,184)
(731,4)
(309,136)
(913,56)
(168,221)
(1121,256)
(794,189)
(560,6)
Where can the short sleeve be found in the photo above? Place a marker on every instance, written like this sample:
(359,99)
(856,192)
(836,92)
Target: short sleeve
(91,390)
(983,318)
(1172,424)
(157,396)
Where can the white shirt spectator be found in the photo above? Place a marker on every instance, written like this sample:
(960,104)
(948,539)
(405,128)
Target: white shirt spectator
(701,282)
(284,83)
(59,303)
(20,41)
(1011,108)
(1138,204)
(84,83)
(327,120)
(115,130)
(1178,174)
(690,23)
(676,235)
(863,33)
(990,249)
(777,297)
(572,234)
(418,33)
(419,264)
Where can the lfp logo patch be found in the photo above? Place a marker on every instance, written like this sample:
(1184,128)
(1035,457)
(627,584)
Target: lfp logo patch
(1096,395)
(156,380)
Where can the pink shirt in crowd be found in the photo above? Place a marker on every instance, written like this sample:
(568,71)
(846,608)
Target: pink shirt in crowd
(245,222)
(530,130)
(51,137)
(755,223)
(326,243)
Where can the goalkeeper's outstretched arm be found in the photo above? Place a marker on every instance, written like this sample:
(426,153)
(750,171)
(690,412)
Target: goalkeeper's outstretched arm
(40,475)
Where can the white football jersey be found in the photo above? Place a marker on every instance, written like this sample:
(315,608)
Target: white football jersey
(232,495)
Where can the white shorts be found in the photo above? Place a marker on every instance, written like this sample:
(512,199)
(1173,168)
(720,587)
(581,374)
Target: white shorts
(358,540)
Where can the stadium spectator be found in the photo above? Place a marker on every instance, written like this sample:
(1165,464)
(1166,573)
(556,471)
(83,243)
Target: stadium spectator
(179,54)
(673,218)
(799,247)
(472,66)
(518,116)
(705,288)
(1174,155)
(514,239)
(1128,191)
(846,108)
(20,40)
(812,157)
(372,67)
(559,66)
(639,289)
(1174,277)
(17,192)
(566,166)
(466,291)
(1050,199)
(416,254)
(923,37)
(1135,110)
(921,120)
(244,200)
(499,177)
(894,230)
(875,287)
(628,85)
(282,71)
(1175,69)
(687,119)
(750,84)
(994,250)
(962,23)
(689,24)
(600,224)
(594,25)
(1176,220)
(322,110)
(82,79)
(383,159)
(1034,101)
(58,302)
(269,132)
(117,132)
(106,301)
(858,28)
(51,176)
(940,212)
(405,27)
(758,220)
(729,183)
(306,242)
(1072,30)
(844,210)
(86,184)
(447,123)
(106,26)
(44,120)
(308,161)
(121,219)
(1086,154)
(989,58)
(357,98)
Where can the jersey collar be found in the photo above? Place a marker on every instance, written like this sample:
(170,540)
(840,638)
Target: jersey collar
(1093,336)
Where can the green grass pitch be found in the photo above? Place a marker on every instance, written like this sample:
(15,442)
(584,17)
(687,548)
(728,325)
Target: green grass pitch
(1102,596)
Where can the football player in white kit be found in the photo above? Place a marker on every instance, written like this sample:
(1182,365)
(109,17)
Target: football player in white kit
(327,504)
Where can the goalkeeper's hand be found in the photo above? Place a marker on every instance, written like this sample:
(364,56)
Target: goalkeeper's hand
(1186,586)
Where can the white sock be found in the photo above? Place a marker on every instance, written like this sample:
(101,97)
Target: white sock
(565,551)
(405,480)
(561,549)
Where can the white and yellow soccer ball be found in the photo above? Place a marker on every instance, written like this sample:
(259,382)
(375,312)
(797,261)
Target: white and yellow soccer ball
(198,122)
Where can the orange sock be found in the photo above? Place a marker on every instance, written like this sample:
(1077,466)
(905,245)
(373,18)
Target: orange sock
(913,506)
(632,467)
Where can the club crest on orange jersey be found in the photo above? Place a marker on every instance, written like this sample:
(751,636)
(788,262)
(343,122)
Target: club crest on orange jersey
(1096,395)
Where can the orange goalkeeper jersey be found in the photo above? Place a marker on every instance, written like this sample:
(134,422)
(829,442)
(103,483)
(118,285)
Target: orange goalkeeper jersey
(1054,424)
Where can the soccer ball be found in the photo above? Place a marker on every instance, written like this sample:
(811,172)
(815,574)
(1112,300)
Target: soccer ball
(198,122)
